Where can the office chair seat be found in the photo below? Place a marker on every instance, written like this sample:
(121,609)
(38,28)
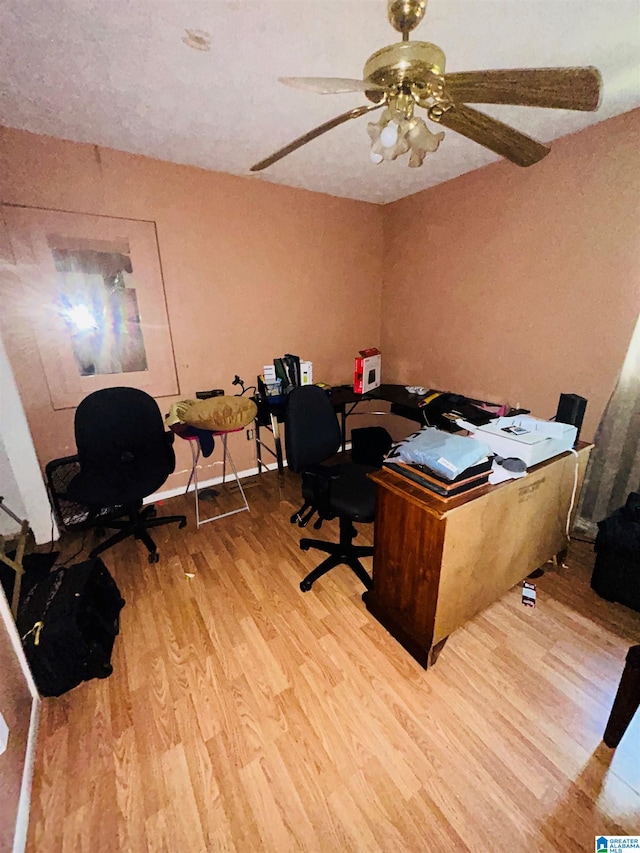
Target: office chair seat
(352,494)
(312,435)
(106,487)
(125,455)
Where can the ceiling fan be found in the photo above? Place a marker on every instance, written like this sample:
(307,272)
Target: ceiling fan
(409,74)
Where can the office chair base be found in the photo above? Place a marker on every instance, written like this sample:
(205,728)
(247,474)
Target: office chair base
(303,515)
(137,524)
(342,552)
(306,512)
(337,560)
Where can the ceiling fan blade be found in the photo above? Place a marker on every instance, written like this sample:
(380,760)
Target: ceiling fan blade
(312,134)
(493,134)
(329,85)
(554,88)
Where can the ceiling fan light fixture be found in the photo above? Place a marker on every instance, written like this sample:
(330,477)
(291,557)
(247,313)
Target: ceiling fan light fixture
(423,141)
(401,76)
(410,135)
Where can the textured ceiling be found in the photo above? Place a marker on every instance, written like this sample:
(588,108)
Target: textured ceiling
(117,73)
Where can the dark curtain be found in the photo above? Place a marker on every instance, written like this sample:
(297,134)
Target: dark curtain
(614,467)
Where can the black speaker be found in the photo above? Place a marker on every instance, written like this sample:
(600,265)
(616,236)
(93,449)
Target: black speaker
(571,411)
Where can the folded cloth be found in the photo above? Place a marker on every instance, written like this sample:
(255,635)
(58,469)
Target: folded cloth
(446,454)
(204,436)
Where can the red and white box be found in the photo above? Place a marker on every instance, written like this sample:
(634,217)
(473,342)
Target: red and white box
(366,375)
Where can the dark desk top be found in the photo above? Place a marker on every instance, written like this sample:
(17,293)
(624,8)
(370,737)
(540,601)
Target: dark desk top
(402,402)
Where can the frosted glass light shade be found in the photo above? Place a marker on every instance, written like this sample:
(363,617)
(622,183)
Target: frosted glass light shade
(389,135)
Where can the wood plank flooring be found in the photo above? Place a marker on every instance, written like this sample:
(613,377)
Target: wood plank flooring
(244,715)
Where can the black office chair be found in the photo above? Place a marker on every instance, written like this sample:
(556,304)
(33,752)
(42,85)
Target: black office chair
(125,455)
(343,491)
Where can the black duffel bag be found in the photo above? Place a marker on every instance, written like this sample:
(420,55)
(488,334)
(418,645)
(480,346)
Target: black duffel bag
(68,623)
(616,573)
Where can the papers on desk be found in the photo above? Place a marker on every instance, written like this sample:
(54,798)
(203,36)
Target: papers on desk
(466,425)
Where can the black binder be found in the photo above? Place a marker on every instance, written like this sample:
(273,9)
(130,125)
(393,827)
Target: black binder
(288,371)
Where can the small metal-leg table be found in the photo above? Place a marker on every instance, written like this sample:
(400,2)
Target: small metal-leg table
(226,458)
(274,427)
(15,562)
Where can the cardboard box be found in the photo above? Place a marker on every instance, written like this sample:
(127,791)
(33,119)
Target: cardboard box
(527,438)
(366,375)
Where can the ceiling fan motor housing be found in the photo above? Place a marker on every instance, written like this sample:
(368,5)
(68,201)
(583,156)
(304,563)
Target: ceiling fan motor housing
(406,65)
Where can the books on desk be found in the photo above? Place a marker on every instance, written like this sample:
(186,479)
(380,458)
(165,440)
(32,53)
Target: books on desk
(471,478)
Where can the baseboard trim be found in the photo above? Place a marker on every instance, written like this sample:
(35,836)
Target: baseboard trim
(24,803)
(203,484)
(214,481)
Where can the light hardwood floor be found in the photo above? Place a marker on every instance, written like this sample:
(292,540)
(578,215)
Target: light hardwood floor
(244,715)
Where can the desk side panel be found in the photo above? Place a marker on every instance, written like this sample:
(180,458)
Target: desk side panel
(406,570)
(494,542)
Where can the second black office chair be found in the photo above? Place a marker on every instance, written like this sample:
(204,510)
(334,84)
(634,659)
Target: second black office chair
(343,491)
(125,455)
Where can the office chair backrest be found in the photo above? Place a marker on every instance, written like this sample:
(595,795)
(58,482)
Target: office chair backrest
(312,432)
(120,433)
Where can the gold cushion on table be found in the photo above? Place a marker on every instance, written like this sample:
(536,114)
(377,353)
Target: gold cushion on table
(217,413)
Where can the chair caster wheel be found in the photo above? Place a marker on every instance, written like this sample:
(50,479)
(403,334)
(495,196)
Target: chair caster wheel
(304,546)
(305,585)
(182,524)
(154,557)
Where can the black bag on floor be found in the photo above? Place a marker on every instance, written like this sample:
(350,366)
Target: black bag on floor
(616,573)
(68,623)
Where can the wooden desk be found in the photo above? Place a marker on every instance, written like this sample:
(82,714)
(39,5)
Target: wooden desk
(437,563)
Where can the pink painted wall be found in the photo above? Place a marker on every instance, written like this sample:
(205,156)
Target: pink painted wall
(507,284)
(514,285)
(251,271)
